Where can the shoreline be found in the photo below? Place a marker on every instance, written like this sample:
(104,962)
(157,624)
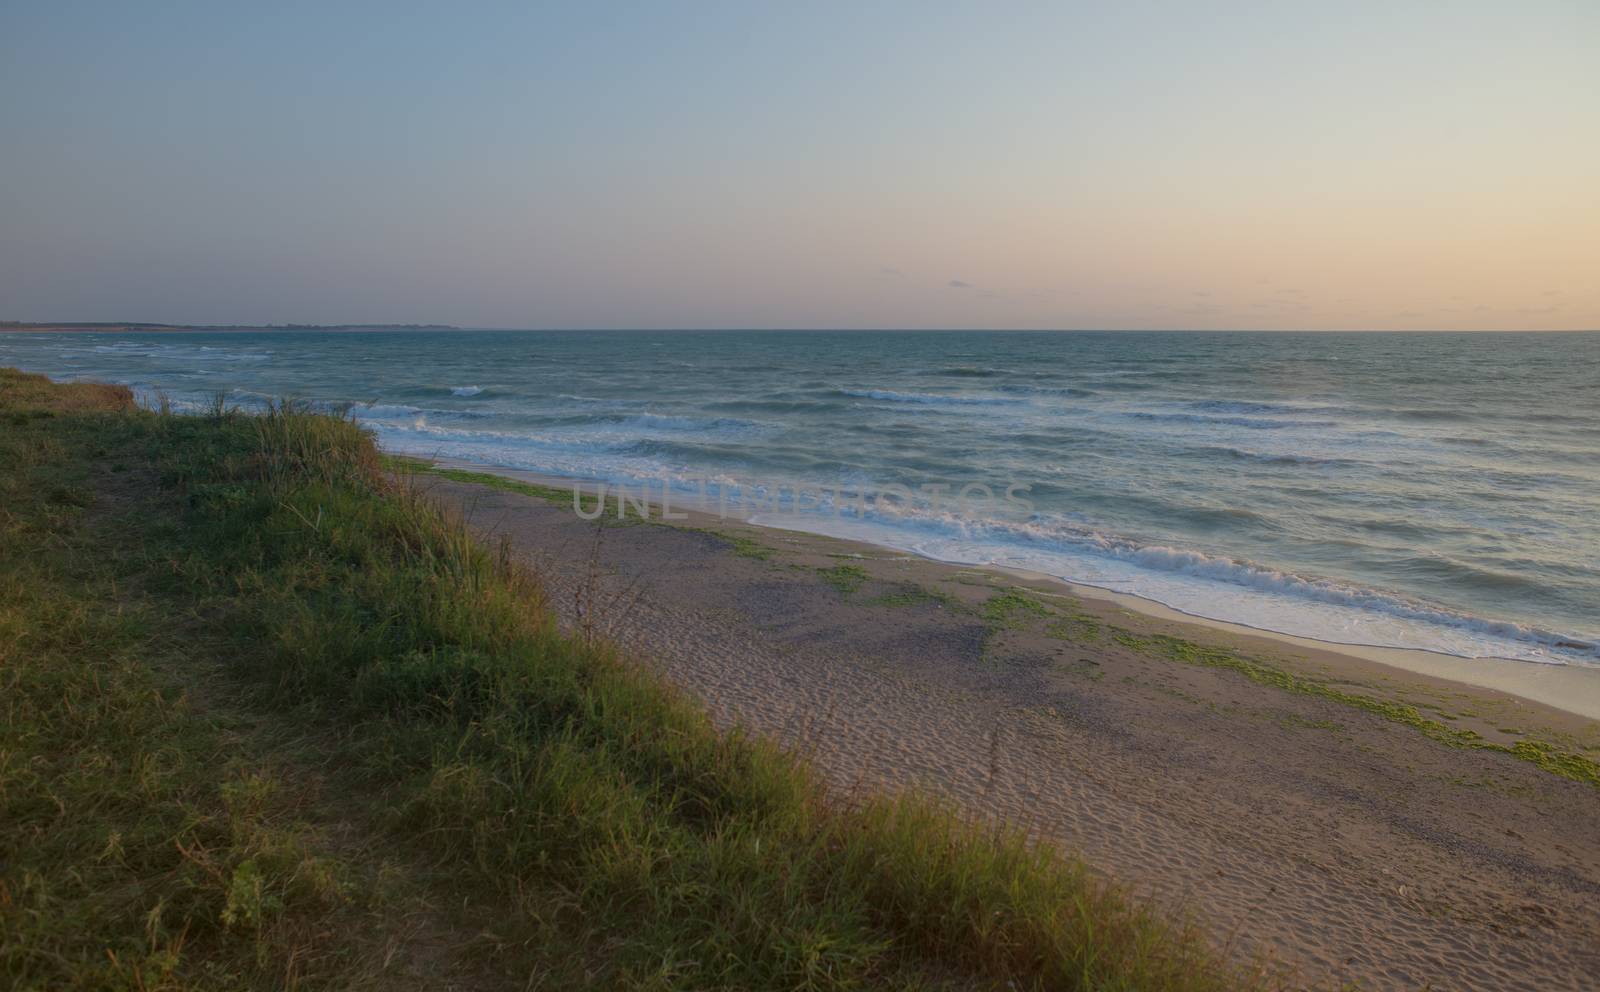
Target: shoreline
(1340,816)
(1569,689)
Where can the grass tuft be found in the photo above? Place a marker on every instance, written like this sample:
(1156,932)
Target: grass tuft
(845,578)
(1012,609)
(1550,757)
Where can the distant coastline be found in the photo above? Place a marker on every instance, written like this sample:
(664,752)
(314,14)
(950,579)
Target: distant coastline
(114,327)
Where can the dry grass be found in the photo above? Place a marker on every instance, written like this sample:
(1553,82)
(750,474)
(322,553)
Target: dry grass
(33,394)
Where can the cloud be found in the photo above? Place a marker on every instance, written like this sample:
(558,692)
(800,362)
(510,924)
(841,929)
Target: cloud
(958,284)
(889,270)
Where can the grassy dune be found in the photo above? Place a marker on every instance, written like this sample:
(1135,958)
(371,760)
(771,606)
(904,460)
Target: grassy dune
(268,718)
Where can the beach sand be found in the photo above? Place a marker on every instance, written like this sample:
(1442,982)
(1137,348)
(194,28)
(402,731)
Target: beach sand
(1340,840)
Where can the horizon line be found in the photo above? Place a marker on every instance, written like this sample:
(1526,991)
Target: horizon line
(42,326)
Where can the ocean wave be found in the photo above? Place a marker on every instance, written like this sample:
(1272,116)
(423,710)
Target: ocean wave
(1072,392)
(1555,418)
(772,404)
(684,451)
(168,352)
(1270,458)
(1254,423)
(1432,416)
(386,412)
(395,411)
(465,390)
(515,449)
(604,434)
(1053,546)
(1326,591)
(678,423)
(1126,385)
(1116,374)
(970,372)
(1257,407)
(928,399)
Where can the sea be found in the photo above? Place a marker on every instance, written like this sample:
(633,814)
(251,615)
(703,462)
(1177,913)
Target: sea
(1424,490)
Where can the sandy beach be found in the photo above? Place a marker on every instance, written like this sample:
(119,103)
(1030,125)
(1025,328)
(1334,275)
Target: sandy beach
(1310,804)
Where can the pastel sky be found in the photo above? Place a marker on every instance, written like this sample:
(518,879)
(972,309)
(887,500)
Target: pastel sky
(1409,164)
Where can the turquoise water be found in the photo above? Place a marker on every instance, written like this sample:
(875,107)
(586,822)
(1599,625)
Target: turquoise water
(1436,491)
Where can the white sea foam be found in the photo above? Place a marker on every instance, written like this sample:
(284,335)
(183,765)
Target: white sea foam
(1258,407)
(177,354)
(1204,420)
(668,422)
(1204,585)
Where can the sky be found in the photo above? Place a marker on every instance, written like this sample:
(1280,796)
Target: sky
(1410,164)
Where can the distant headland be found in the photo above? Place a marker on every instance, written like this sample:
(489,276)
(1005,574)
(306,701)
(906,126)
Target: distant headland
(117,327)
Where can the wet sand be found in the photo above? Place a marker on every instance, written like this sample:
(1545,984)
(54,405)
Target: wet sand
(1339,840)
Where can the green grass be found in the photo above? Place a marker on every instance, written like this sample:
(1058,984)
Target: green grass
(1548,756)
(737,544)
(1076,627)
(744,547)
(1012,609)
(845,578)
(253,605)
(149,837)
